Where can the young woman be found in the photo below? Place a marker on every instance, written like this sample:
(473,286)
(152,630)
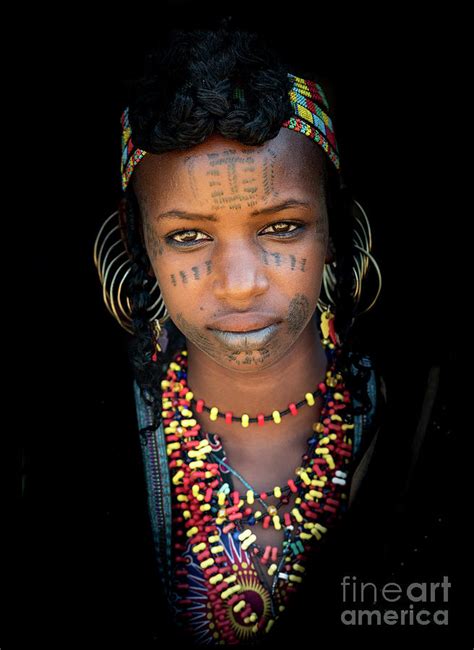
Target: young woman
(237,262)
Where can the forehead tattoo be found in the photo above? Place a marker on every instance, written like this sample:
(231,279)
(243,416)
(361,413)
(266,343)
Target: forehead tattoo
(237,178)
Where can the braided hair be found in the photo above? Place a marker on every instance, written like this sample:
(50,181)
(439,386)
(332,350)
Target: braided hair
(185,95)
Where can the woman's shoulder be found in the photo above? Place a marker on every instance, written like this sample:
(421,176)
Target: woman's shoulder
(369,397)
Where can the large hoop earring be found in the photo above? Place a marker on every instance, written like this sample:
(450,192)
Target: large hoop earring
(362,243)
(113,265)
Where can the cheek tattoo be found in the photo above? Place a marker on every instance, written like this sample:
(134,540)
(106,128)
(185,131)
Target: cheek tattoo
(196,273)
(298,313)
(288,261)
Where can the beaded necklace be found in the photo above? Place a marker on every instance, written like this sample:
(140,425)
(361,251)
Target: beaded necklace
(206,509)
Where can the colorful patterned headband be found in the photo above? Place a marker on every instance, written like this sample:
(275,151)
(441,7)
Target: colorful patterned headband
(311,118)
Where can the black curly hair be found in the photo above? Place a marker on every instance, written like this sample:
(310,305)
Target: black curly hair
(185,95)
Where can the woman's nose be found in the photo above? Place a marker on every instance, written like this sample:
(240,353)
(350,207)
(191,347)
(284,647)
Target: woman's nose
(239,273)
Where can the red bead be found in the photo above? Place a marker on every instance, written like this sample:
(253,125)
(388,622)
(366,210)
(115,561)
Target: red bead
(199,405)
(292,485)
(228,417)
(263,495)
(260,419)
(266,521)
(293,409)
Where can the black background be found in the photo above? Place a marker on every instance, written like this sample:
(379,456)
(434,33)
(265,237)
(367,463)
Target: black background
(86,559)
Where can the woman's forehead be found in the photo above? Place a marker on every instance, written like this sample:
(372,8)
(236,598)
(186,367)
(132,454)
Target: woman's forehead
(225,173)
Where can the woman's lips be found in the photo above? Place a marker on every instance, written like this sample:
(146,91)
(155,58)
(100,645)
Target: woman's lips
(250,340)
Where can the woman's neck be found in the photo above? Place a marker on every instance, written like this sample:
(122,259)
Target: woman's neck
(261,390)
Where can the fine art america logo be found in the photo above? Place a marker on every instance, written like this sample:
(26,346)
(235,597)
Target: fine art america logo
(416,603)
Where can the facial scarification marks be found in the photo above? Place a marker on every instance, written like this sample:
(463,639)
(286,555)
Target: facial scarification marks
(284,261)
(195,273)
(298,313)
(236,177)
(268,171)
(195,335)
(152,241)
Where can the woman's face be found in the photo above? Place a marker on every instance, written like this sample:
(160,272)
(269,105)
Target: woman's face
(237,237)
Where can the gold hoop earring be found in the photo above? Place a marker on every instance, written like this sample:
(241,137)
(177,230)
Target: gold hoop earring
(113,265)
(362,245)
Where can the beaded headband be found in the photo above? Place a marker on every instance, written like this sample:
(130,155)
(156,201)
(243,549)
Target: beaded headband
(311,118)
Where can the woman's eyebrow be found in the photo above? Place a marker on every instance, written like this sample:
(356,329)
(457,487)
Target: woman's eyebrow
(183,214)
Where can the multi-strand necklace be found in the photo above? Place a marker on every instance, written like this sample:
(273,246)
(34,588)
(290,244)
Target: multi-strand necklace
(206,509)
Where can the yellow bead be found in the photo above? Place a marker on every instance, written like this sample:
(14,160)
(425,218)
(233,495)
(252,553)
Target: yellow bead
(250,540)
(269,625)
(316,533)
(215,579)
(277,492)
(213,413)
(245,420)
(276,522)
(221,498)
(189,395)
(177,477)
(294,578)
(272,511)
(207,563)
(272,569)
(321,528)
(276,417)
(310,399)
(318,427)
(240,605)
(231,578)
(305,478)
(297,515)
(338,396)
(217,549)
(250,497)
(246,533)
(199,547)
(192,531)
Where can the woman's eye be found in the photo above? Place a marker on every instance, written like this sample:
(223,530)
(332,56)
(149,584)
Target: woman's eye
(184,237)
(282,228)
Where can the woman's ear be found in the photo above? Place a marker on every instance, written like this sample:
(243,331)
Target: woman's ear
(330,252)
